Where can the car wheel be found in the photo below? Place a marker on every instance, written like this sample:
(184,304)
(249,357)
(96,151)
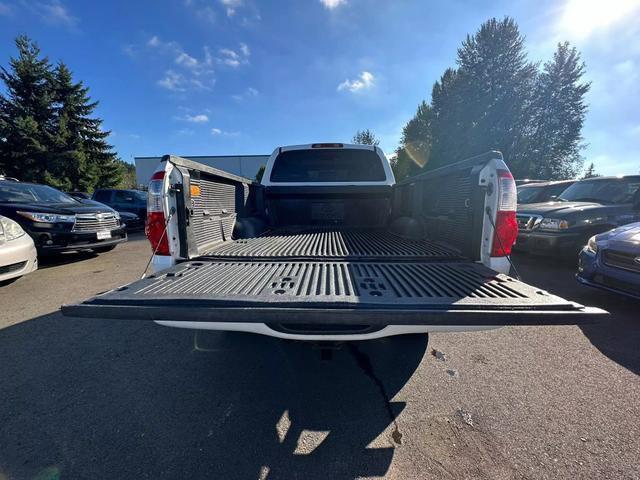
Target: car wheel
(104,249)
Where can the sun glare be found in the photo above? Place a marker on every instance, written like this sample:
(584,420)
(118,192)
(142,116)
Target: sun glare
(581,18)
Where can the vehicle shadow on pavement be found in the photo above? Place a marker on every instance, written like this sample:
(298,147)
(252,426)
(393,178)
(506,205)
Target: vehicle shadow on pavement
(617,336)
(48,261)
(118,399)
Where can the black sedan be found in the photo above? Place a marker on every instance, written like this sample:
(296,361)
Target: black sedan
(58,222)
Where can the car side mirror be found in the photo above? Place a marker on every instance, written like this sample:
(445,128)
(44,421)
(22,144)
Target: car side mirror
(553,197)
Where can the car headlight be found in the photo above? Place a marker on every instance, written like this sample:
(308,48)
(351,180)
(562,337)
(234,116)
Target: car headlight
(553,224)
(9,230)
(48,217)
(592,245)
(116,214)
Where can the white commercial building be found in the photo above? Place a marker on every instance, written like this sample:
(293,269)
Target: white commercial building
(243,165)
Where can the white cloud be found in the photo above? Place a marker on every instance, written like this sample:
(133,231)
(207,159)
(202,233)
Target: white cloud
(231,6)
(173,81)
(580,19)
(186,60)
(199,118)
(224,133)
(195,72)
(331,4)
(248,93)
(232,58)
(55,13)
(363,82)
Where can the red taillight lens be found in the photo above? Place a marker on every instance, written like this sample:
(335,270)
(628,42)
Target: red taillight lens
(506,230)
(156,222)
(155,230)
(505,235)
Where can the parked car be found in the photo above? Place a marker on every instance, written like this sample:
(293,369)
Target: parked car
(527,181)
(133,201)
(79,195)
(542,191)
(328,247)
(131,221)
(17,251)
(57,222)
(611,261)
(586,208)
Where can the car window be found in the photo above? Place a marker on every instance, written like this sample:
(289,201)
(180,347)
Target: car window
(528,194)
(31,193)
(102,196)
(328,165)
(615,190)
(123,196)
(555,190)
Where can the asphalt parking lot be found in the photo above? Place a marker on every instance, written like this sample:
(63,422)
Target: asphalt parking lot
(117,399)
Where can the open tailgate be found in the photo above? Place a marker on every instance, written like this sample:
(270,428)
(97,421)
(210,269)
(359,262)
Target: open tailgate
(336,292)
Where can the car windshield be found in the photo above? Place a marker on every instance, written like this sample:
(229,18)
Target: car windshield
(13,192)
(328,165)
(138,195)
(615,190)
(528,194)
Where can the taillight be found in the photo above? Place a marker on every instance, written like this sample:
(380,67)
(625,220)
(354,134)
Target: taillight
(156,222)
(506,228)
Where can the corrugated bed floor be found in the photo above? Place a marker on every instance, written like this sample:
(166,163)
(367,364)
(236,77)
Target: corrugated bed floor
(408,283)
(332,243)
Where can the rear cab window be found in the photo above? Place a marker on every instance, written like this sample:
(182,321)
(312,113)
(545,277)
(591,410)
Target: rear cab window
(328,165)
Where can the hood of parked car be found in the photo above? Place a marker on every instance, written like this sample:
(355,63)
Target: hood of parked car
(555,209)
(59,208)
(625,238)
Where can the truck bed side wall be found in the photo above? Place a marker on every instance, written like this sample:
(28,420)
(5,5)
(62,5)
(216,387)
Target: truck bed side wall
(447,203)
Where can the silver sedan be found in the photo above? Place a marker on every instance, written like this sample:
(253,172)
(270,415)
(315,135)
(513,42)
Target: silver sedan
(17,251)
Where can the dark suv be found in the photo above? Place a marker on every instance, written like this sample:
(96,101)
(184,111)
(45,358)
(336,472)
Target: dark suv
(131,201)
(58,222)
(542,191)
(586,208)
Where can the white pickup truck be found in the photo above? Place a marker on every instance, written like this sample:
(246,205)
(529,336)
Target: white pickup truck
(329,247)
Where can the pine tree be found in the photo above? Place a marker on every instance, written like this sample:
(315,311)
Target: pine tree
(365,137)
(81,158)
(590,172)
(26,112)
(558,115)
(415,145)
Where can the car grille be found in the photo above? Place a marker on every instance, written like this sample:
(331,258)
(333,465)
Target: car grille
(624,260)
(14,267)
(527,222)
(95,222)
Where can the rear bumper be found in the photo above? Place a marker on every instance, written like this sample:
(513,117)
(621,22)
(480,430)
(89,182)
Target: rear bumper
(264,329)
(17,258)
(549,243)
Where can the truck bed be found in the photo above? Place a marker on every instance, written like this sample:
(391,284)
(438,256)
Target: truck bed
(335,243)
(350,276)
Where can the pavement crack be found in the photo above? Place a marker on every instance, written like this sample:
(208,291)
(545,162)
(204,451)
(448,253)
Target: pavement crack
(363,361)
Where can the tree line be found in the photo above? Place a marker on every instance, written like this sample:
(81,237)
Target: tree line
(48,133)
(496,99)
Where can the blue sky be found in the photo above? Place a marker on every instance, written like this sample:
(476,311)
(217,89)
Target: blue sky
(216,77)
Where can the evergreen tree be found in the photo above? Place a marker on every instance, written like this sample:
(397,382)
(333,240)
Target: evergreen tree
(26,112)
(365,137)
(558,115)
(496,100)
(82,158)
(415,145)
(590,172)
